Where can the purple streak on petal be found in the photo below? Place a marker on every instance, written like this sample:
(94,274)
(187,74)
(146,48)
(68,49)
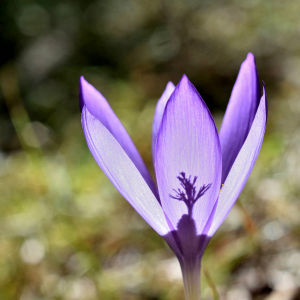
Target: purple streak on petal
(239,114)
(99,108)
(160,107)
(121,171)
(242,166)
(188,142)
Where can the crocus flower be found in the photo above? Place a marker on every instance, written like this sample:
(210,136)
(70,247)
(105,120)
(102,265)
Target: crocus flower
(199,172)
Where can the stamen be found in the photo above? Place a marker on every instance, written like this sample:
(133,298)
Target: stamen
(189,194)
(221,188)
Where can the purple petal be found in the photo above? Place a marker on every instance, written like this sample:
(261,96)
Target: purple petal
(242,166)
(160,107)
(239,114)
(99,108)
(188,142)
(121,171)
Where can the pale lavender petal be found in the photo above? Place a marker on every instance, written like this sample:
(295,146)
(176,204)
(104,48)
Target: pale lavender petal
(99,108)
(188,142)
(239,114)
(160,107)
(242,166)
(122,172)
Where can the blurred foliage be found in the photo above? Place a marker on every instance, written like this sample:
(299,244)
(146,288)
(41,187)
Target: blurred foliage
(66,233)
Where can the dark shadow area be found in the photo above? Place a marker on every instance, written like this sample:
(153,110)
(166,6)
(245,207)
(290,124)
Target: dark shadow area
(184,241)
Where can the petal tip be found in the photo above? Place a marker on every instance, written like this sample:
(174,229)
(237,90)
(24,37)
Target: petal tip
(81,100)
(184,82)
(250,60)
(264,91)
(170,85)
(82,81)
(250,55)
(90,97)
(184,78)
(264,100)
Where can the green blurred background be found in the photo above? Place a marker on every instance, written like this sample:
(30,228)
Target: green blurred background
(65,232)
